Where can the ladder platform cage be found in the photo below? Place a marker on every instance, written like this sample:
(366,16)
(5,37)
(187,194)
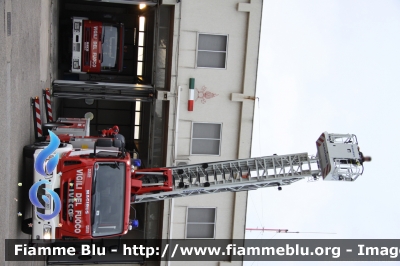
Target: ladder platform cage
(339,157)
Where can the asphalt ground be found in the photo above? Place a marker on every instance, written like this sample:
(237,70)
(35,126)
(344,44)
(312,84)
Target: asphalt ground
(27,66)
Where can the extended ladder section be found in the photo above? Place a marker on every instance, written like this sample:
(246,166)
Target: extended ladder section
(338,159)
(236,175)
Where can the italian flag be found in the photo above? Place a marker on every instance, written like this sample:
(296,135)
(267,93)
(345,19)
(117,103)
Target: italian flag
(191,94)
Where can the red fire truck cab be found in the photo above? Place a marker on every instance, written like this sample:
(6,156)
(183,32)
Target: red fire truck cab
(96,181)
(97,47)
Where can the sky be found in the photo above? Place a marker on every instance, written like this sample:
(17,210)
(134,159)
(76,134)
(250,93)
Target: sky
(329,66)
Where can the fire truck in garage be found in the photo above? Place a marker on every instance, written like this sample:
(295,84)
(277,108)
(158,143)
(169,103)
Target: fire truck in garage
(97,47)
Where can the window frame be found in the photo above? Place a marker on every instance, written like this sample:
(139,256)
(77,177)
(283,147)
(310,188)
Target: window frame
(186,222)
(220,139)
(226,50)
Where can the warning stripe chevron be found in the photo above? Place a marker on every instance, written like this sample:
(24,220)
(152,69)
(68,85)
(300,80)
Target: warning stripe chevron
(321,140)
(326,170)
(38,119)
(48,105)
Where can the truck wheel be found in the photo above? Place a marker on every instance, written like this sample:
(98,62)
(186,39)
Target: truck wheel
(25,228)
(84,257)
(29,150)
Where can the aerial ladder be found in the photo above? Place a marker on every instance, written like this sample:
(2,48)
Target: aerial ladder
(338,159)
(85,158)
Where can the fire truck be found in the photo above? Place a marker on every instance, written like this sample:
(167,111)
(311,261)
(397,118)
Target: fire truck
(97,179)
(97,47)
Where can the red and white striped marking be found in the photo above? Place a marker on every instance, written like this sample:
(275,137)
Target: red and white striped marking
(48,104)
(321,140)
(38,119)
(326,170)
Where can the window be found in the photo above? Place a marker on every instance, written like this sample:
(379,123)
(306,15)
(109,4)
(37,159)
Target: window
(141,44)
(200,222)
(206,139)
(138,106)
(211,50)
(110,46)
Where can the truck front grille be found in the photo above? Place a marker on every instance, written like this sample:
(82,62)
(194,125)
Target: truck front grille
(40,193)
(64,209)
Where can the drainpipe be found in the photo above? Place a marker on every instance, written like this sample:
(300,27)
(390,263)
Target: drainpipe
(178,100)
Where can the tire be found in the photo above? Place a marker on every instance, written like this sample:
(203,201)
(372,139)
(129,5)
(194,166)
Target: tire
(25,228)
(84,257)
(29,150)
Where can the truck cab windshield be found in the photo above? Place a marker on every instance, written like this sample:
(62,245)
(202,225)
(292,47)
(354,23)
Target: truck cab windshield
(108,198)
(110,47)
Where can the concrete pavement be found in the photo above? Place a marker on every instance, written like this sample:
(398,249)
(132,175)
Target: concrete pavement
(27,66)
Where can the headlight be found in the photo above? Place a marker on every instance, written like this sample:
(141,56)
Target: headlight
(77,26)
(47,233)
(76,64)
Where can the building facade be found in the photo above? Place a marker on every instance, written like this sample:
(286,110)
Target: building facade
(214,65)
(200,59)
